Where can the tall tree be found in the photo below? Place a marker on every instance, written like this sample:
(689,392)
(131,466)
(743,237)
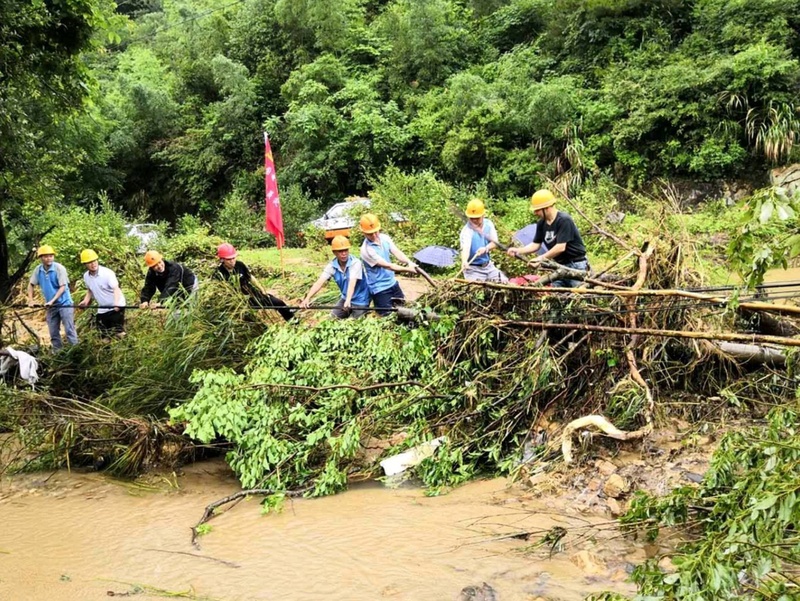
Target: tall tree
(42,83)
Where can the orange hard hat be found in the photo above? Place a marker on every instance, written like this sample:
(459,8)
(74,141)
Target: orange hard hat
(226,251)
(476,208)
(152,257)
(369,223)
(542,199)
(340,243)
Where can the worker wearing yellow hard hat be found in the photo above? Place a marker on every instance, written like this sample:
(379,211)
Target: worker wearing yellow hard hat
(376,253)
(52,280)
(477,239)
(348,273)
(170,278)
(102,286)
(558,231)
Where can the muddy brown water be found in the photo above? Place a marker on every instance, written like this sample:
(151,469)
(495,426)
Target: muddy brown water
(72,536)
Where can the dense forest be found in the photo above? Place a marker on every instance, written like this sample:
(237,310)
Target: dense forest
(161,105)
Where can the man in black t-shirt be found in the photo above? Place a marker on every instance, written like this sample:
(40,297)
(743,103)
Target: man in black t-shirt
(231,270)
(558,231)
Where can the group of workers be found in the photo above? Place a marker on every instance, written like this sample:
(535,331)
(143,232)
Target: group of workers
(374,280)
(556,233)
(370,279)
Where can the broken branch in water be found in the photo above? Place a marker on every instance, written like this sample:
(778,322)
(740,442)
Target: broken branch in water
(230,564)
(208,514)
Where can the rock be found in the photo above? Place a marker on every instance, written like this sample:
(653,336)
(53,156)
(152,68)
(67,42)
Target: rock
(594,484)
(537,479)
(615,486)
(605,467)
(614,507)
(589,563)
(478,593)
(786,177)
(665,563)
(615,217)
(619,576)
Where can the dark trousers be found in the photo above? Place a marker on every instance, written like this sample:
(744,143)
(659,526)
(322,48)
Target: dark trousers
(387,299)
(111,322)
(355,312)
(260,300)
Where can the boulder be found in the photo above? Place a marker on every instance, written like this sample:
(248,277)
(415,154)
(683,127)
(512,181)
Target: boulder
(605,467)
(786,177)
(615,507)
(589,563)
(615,486)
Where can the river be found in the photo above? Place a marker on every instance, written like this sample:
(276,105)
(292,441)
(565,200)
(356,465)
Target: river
(84,536)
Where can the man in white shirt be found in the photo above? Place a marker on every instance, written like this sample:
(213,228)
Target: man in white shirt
(102,285)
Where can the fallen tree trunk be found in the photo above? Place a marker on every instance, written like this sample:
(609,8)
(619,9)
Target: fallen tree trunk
(750,305)
(745,338)
(753,353)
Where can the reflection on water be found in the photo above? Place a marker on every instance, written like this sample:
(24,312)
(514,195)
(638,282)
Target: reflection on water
(79,536)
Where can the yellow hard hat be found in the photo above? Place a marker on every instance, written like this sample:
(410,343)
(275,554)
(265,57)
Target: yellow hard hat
(152,257)
(369,223)
(542,199)
(45,249)
(88,255)
(476,208)
(340,243)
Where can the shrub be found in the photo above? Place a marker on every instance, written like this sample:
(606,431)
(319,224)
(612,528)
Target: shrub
(101,228)
(193,245)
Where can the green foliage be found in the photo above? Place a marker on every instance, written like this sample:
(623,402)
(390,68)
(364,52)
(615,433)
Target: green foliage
(240,224)
(741,521)
(298,208)
(285,434)
(100,228)
(150,368)
(767,236)
(424,201)
(193,245)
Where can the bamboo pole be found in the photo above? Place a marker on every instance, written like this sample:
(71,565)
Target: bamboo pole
(745,338)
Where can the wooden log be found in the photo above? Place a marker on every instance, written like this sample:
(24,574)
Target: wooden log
(719,300)
(727,336)
(752,353)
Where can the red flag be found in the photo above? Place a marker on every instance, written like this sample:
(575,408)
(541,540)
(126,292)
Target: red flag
(273,218)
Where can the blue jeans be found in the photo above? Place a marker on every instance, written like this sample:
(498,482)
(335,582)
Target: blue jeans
(579,265)
(387,299)
(55,317)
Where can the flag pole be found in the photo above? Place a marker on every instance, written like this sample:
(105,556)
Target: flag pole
(273,218)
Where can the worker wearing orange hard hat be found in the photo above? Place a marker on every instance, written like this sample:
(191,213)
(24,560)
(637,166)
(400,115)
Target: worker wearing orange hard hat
(558,231)
(169,278)
(51,277)
(348,273)
(478,238)
(235,272)
(376,253)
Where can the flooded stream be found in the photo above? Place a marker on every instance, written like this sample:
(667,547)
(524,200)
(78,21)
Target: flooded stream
(71,536)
